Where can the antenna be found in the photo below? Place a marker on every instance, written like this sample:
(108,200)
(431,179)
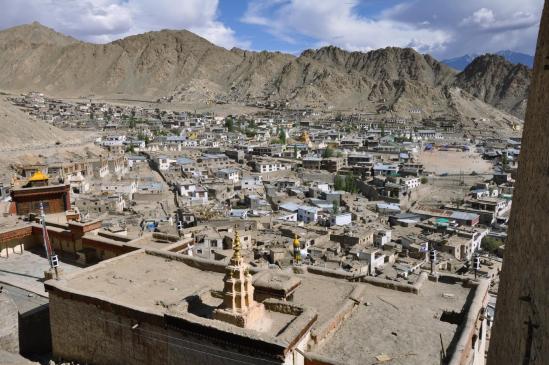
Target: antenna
(53,260)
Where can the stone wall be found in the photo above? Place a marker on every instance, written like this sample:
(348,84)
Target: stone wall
(521,330)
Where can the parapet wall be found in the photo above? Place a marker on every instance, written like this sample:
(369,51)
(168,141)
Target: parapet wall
(14,241)
(87,328)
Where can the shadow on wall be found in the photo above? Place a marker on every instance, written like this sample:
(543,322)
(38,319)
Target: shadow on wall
(34,331)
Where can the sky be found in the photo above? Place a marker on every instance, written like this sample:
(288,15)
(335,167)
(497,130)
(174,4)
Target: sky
(443,28)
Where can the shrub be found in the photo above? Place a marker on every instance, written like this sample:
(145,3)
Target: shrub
(490,244)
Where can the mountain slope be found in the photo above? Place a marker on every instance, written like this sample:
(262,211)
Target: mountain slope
(20,131)
(185,67)
(496,81)
(148,64)
(391,79)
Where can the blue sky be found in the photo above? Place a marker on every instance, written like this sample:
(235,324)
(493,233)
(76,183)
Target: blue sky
(443,28)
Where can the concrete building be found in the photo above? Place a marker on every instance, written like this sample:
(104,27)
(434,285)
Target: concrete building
(341,219)
(267,165)
(411,182)
(332,164)
(251,182)
(307,214)
(360,159)
(230,174)
(385,169)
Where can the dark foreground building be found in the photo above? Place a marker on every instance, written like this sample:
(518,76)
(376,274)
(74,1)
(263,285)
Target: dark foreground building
(521,330)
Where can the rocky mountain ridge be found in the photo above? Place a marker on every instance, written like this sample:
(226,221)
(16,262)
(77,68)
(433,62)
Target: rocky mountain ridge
(498,82)
(182,66)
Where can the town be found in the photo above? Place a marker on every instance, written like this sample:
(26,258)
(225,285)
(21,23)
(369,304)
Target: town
(342,218)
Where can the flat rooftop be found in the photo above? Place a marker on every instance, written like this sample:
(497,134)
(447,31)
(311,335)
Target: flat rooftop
(324,294)
(404,326)
(163,283)
(142,280)
(26,270)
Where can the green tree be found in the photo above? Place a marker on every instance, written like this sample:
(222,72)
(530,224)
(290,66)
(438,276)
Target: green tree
(282,136)
(339,183)
(335,207)
(295,151)
(424,180)
(504,161)
(490,244)
(346,183)
(142,137)
(350,184)
(328,152)
(229,124)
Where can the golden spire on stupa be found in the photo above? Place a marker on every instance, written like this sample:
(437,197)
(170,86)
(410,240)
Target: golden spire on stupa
(297,250)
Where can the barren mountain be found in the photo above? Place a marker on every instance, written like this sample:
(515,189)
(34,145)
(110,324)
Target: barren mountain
(498,82)
(394,79)
(183,66)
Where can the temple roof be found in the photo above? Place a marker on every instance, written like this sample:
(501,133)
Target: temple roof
(39,176)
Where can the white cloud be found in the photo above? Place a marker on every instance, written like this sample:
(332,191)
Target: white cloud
(477,26)
(444,28)
(106,20)
(482,17)
(337,23)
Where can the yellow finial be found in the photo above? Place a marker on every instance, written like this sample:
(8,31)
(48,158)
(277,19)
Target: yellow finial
(297,251)
(296,241)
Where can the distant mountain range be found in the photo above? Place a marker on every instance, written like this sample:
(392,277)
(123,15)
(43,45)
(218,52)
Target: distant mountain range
(180,66)
(460,63)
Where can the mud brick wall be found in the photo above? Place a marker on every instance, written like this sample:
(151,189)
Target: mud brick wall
(88,330)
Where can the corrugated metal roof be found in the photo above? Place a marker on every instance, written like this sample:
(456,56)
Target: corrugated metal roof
(464,216)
